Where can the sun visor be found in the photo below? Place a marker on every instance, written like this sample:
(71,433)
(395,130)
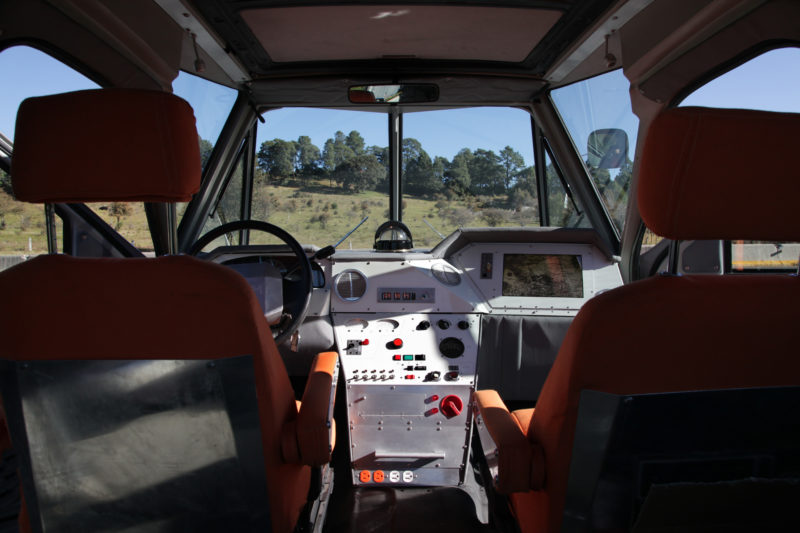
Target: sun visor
(721,174)
(106,145)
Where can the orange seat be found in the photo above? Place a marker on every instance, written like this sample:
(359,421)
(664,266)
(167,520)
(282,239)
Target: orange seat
(705,174)
(142,145)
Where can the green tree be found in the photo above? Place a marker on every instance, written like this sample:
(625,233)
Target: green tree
(355,142)
(523,193)
(5,182)
(119,210)
(336,152)
(417,169)
(308,157)
(205,151)
(486,172)
(512,163)
(328,156)
(360,173)
(381,153)
(456,173)
(496,217)
(277,157)
(437,170)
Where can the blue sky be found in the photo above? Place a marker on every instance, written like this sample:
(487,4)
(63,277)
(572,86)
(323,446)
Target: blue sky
(764,83)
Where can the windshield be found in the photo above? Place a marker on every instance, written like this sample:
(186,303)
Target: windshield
(320,171)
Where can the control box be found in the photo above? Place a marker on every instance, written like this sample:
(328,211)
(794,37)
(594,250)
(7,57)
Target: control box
(409,383)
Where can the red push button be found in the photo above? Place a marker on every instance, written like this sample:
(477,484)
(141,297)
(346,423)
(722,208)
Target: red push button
(365,476)
(397,343)
(365,342)
(409,376)
(397,357)
(451,406)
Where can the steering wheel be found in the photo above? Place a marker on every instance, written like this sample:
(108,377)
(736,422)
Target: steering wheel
(299,306)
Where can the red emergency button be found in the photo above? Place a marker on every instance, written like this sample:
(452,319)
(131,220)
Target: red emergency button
(451,406)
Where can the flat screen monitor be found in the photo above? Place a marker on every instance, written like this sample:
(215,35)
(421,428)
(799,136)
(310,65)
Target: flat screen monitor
(555,276)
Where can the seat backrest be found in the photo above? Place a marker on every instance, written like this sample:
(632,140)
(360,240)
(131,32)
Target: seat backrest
(132,145)
(705,174)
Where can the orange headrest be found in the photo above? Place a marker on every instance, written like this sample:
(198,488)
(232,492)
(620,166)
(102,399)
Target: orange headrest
(105,145)
(721,174)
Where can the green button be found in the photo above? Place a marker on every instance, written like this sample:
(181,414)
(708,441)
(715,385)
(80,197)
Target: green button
(408,358)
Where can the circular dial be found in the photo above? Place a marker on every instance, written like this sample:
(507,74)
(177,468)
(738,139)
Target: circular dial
(451,347)
(350,285)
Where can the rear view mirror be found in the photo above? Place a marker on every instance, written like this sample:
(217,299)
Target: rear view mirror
(607,148)
(402,93)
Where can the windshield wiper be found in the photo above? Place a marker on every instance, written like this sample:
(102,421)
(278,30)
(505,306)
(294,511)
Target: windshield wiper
(436,231)
(329,250)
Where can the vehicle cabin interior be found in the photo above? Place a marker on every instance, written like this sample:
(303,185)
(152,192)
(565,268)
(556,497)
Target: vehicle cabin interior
(519,266)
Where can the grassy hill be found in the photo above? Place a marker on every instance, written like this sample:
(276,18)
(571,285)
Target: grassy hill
(314,214)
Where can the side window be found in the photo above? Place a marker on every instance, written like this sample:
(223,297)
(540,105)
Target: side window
(28,72)
(767,82)
(563,207)
(212,103)
(597,113)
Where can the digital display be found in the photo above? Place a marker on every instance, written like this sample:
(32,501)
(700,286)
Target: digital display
(559,276)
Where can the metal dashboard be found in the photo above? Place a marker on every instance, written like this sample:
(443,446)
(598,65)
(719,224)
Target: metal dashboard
(408,329)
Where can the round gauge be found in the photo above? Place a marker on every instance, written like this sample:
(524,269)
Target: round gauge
(446,274)
(451,347)
(350,285)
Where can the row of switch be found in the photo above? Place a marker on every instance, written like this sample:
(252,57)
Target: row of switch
(443,324)
(430,376)
(365,476)
(408,357)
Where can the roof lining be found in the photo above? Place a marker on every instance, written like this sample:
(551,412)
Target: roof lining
(225,17)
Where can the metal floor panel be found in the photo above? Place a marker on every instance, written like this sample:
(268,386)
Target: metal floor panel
(418,510)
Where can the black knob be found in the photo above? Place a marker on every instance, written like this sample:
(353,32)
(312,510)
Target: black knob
(451,347)
(443,324)
(451,376)
(433,376)
(463,324)
(423,325)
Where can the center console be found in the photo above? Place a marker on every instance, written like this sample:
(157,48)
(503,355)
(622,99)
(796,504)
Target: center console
(409,379)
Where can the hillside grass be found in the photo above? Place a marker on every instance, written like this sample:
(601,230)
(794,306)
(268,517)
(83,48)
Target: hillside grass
(314,213)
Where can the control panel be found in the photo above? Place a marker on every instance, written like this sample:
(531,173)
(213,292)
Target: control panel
(409,381)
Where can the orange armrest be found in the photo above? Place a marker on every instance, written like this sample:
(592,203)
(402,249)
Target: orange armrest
(314,428)
(508,452)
